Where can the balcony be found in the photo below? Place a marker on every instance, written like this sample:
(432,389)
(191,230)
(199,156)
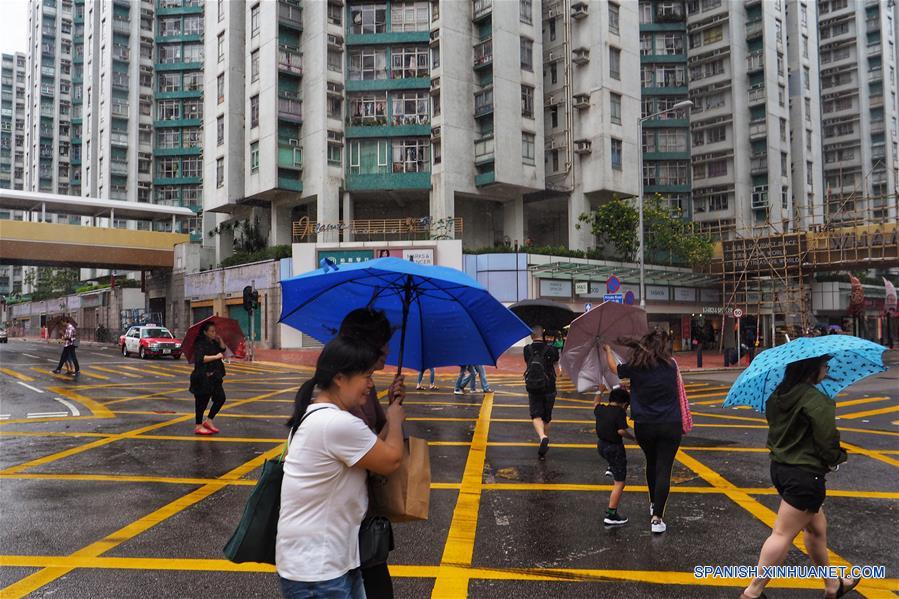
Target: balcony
(118,168)
(669,12)
(121,25)
(758,166)
(290,156)
(121,53)
(48,71)
(46,132)
(757,95)
(483,103)
(755,61)
(758,129)
(481,8)
(118,138)
(290,60)
(47,110)
(483,54)
(291,14)
(119,109)
(876,101)
(290,106)
(120,80)
(484,150)
(754,28)
(578,9)
(46,90)
(878,153)
(874,49)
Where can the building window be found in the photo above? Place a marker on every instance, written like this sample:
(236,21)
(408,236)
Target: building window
(335,107)
(254,156)
(254,21)
(435,56)
(409,63)
(613,18)
(220,172)
(191,166)
(409,16)
(615,108)
(527,101)
(616,154)
(221,10)
(527,54)
(335,14)
(411,155)
(254,111)
(525,11)
(168,138)
(254,66)
(220,86)
(221,47)
(527,147)
(191,138)
(169,110)
(614,63)
(368,18)
(367,64)
(335,61)
(220,130)
(410,108)
(334,154)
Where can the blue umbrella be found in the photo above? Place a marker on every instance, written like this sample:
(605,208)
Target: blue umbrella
(445,317)
(852,359)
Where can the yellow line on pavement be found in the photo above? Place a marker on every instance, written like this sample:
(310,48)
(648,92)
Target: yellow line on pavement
(868,413)
(459,547)
(92,375)
(763,513)
(98,409)
(877,455)
(147,396)
(50,373)
(730,417)
(858,402)
(16,375)
(118,372)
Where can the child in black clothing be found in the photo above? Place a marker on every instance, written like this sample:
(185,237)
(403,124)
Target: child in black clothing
(611,429)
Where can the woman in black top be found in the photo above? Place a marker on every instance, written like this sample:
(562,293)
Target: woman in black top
(655,409)
(206,379)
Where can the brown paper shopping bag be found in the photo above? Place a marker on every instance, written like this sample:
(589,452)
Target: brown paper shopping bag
(406,494)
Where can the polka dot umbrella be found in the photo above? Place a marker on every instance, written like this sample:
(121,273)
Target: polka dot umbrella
(852,359)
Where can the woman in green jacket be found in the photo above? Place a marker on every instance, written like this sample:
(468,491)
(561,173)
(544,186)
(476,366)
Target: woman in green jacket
(805,446)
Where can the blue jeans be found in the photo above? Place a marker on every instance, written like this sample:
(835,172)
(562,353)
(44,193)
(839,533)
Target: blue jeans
(348,586)
(421,375)
(472,370)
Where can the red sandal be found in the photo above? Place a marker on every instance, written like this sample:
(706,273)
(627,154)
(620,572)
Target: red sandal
(211,426)
(202,430)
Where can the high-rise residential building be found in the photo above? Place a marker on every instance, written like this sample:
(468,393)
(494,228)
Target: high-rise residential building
(740,119)
(859,110)
(663,77)
(12,121)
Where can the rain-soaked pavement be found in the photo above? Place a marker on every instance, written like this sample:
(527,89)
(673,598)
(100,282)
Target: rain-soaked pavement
(106,492)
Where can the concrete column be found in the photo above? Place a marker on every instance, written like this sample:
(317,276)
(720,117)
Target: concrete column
(224,241)
(443,205)
(578,239)
(347,216)
(328,213)
(280,233)
(513,220)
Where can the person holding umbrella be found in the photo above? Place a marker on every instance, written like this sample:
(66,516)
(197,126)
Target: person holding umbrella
(655,409)
(207,377)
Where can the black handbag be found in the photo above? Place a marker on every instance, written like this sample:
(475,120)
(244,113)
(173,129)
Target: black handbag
(375,541)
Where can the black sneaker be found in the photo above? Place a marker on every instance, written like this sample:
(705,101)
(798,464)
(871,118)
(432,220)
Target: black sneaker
(544,447)
(615,519)
(56,371)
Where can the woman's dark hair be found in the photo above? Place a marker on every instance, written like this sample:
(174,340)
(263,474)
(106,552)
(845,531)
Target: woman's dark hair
(205,326)
(649,350)
(342,355)
(804,371)
(368,325)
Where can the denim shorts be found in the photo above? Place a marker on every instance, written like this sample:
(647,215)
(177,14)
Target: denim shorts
(348,586)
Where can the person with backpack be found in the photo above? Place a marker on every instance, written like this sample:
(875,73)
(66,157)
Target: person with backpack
(540,382)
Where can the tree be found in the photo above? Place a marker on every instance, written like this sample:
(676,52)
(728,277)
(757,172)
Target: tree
(248,236)
(614,224)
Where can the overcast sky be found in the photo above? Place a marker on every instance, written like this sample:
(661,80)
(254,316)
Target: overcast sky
(13,26)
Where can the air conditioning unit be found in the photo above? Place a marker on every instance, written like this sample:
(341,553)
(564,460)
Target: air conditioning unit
(435,85)
(581,101)
(335,88)
(552,56)
(293,141)
(556,143)
(580,55)
(551,100)
(435,36)
(583,146)
(578,9)
(435,133)
(335,40)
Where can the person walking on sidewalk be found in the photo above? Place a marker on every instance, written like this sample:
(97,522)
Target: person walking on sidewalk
(611,430)
(540,382)
(655,409)
(70,343)
(421,376)
(206,381)
(805,445)
(323,494)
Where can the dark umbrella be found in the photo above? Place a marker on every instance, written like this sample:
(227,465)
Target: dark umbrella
(227,328)
(552,316)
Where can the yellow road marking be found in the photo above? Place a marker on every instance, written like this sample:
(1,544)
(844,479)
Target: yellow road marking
(92,375)
(118,372)
(98,409)
(858,402)
(877,455)
(147,396)
(460,538)
(730,417)
(16,375)
(761,512)
(51,373)
(145,370)
(868,413)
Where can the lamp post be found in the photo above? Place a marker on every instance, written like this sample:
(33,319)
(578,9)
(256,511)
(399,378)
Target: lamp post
(678,106)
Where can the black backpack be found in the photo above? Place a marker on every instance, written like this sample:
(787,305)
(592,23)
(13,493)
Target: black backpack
(536,379)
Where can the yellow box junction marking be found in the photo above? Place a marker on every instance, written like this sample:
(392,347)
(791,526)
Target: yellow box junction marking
(16,375)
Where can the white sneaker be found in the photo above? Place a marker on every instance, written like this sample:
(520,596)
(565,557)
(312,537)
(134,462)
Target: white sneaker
(458,392)
(658,527)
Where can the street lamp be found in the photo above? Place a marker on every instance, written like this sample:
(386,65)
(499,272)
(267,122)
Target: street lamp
(678,106)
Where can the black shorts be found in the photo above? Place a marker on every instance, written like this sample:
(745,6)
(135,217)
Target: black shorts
(615,455)
(802,489)
(541,405)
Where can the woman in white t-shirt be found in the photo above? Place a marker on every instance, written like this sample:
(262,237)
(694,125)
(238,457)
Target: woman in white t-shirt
(323,495)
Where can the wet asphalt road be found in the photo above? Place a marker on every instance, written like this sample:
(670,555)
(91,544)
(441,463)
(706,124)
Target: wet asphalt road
(122,500)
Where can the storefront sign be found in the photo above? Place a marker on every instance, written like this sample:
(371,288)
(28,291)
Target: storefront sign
(712,310)
(420,256)
(555,288)
(684,294)
(582,288)
(710,296)
(346,256)
(657,293)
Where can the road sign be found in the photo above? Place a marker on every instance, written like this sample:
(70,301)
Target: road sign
(738,313)
(629,298)
(618,298)
(613,284)
(588,307)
